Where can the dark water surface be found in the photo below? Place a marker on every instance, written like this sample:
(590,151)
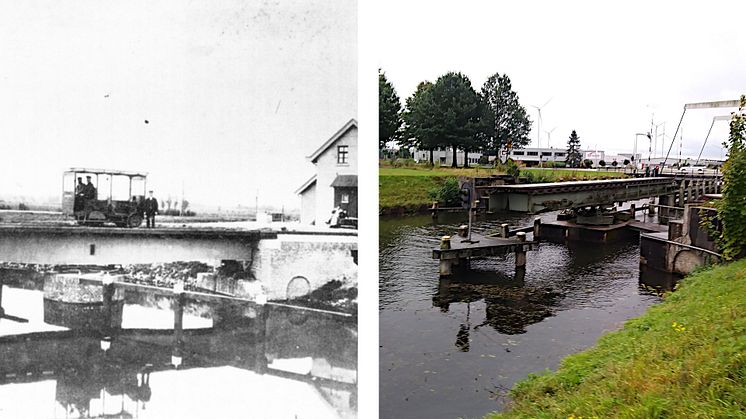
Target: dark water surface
(452,348)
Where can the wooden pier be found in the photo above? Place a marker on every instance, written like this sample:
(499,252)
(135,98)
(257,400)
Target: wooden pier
(455,252)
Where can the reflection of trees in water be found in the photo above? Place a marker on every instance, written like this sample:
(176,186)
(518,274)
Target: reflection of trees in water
(510,306)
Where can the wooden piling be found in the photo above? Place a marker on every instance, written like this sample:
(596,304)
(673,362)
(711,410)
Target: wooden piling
(178,327)
(504,231)
(520,252)
(537,228)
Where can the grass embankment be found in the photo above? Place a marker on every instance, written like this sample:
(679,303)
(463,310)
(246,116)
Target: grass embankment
(405,189)
(684,358)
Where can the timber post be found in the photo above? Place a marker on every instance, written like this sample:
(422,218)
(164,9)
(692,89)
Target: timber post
(504,231)
(537,228)
(520,251)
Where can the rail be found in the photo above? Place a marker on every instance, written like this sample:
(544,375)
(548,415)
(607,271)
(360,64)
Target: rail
(688,246)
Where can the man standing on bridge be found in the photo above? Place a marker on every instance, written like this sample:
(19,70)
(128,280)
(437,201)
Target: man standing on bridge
(150,206)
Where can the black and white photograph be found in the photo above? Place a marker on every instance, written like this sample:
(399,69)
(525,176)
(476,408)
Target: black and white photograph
(178,209)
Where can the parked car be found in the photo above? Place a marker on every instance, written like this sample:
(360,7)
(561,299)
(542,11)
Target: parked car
(692,170)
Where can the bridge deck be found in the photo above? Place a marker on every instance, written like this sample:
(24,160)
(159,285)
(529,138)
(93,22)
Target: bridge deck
(483,246)
(584,185)
(192,232)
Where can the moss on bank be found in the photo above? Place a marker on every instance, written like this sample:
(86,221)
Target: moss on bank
(685,357)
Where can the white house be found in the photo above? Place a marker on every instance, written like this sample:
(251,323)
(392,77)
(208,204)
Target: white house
(335,181)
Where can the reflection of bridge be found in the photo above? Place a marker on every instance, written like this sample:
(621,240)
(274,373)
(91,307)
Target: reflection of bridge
(245,335)
(539,197)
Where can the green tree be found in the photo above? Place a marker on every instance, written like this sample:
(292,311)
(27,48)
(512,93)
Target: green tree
(731,209)
(574,158)
(457,118)
(389,112)
(419,130)
(505,121)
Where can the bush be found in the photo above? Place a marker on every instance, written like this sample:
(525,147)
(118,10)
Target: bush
(484,160)
(626,162)
(587,163)
(602,163)
(447,193)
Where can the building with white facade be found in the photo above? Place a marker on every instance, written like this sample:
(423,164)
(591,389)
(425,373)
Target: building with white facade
(335,181)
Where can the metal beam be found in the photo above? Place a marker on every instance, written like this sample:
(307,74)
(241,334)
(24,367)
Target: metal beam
(716,104)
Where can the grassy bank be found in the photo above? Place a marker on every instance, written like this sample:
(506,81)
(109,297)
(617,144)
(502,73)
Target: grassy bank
(404,189)
(406,193)
(685,357)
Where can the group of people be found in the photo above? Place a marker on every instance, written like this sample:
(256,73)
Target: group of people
(83,192)
(148,208)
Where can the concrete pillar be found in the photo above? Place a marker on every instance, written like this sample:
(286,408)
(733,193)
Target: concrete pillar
(504,231)
(632,209)
(434,209)
(651,206)
(537,228)
(520,251)
(463,230)
(445,242)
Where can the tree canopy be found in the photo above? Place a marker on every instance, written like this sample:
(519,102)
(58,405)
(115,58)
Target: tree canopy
(574,157)
(505,120)
(458,109)
(732,207)
(450,113)
(389,111)
(418,130)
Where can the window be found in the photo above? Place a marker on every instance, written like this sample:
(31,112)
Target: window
(342,152)
(559,154)
(345,198)
(517,153)
(532,153)
(546,153)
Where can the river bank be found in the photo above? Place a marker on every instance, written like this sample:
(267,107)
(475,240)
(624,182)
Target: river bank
(685,357)
(405,190)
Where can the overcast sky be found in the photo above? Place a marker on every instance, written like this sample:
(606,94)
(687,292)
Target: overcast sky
(604,67)
(236,93)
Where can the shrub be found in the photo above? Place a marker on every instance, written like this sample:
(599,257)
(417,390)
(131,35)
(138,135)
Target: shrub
(447,193)
(602,163)
(587,163)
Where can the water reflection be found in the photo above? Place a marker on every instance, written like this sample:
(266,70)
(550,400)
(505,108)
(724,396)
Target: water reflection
(510,305)
(466,338)
(192,358)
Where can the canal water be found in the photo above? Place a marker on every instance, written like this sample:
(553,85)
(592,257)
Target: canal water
(453,348)
(229,360)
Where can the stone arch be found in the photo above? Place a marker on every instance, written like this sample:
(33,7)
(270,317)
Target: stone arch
(686,261)
(298,286)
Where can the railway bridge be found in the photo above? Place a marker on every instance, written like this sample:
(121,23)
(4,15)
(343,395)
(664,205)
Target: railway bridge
(273,258)
(538,197)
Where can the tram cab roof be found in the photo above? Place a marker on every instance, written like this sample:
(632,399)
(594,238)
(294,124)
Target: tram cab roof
(106,172)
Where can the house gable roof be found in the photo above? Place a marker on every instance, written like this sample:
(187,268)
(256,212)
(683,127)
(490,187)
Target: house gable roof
(306,185)
(342,131)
